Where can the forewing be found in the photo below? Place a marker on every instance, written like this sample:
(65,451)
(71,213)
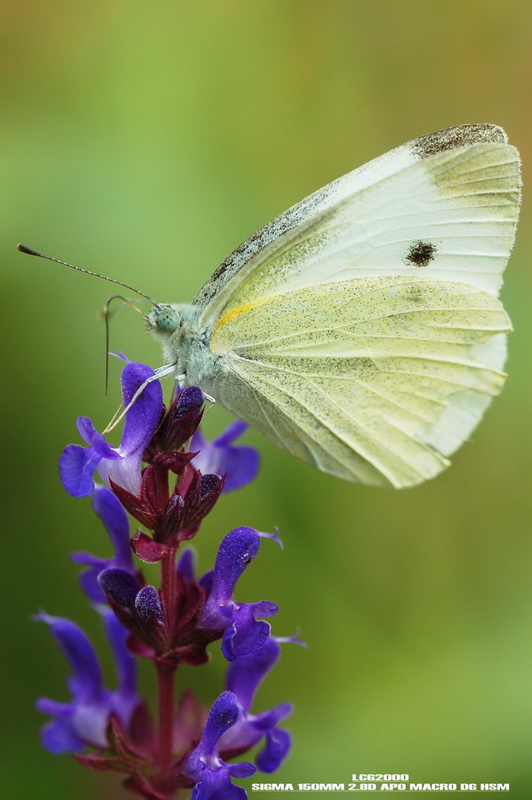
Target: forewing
(283,230)
(451,216)
(375,380)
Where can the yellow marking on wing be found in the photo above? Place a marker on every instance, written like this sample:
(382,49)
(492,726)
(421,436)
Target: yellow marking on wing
(240,310)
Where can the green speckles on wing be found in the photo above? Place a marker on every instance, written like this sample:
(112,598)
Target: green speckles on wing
(357,377)
(486,175)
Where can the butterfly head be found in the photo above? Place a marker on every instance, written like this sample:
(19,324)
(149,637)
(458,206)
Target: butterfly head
(164,320)
(175,327)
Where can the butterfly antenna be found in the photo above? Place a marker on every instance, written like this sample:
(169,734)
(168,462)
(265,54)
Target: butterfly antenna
(107,317)
(30,252)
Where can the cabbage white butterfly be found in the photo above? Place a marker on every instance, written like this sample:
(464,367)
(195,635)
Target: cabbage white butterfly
(361,329)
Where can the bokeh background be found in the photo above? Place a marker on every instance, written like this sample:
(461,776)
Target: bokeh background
(146,140)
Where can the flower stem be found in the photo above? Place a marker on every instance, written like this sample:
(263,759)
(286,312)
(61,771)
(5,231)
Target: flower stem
(168,589)
(166,671)
(166,699)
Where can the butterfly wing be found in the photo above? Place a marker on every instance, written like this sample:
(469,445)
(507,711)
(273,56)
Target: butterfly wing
(375,380)
(368,339)
(342,188)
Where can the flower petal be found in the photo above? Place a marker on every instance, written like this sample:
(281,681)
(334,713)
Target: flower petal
(88,432)
(86,683)
(246,673)
(211,773)
(240,464)
(245,634)
(237,549)
(275,751)
(58,736)
(143,417)
(125,698)
(76,469)
(114,518)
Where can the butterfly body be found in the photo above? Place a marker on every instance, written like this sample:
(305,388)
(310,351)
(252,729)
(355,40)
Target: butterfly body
(361,330)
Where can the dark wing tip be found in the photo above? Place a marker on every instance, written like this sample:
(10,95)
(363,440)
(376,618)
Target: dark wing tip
(459,136)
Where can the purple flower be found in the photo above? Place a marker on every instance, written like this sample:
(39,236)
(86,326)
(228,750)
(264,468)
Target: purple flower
(240,464)
(205,766)
(244,676)
(142,605)
(140,610)
(186,566)
(243,631)
(84,720)
(158,476)
(115,521)
(121,464)
(181,419)
(121,586)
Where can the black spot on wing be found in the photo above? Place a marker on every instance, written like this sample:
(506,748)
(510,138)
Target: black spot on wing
(458,136)
(420,253)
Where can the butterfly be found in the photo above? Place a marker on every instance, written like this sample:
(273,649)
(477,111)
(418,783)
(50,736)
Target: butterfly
(361,329)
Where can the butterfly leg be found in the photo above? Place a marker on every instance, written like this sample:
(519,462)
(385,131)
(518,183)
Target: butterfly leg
(160,372)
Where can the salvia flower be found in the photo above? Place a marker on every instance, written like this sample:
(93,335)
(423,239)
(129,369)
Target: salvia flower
(240,463)
(168,478)
(121,464)
(84,720)
(116,524)
(212,775)
(243,631)
(140,610)
(244,676)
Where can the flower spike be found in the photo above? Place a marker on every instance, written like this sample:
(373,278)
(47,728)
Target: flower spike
(168,478)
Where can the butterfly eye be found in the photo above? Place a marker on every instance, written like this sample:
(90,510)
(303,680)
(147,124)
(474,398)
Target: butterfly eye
(166,319)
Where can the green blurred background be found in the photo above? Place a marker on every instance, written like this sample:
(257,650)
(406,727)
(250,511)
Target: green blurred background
(145,141)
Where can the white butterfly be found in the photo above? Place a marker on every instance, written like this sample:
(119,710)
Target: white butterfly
(361,329)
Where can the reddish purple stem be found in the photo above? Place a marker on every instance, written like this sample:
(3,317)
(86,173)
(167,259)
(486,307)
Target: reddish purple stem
(166,671)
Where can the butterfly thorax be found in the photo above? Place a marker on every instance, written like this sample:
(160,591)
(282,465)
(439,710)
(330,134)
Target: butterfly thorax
(184,341)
